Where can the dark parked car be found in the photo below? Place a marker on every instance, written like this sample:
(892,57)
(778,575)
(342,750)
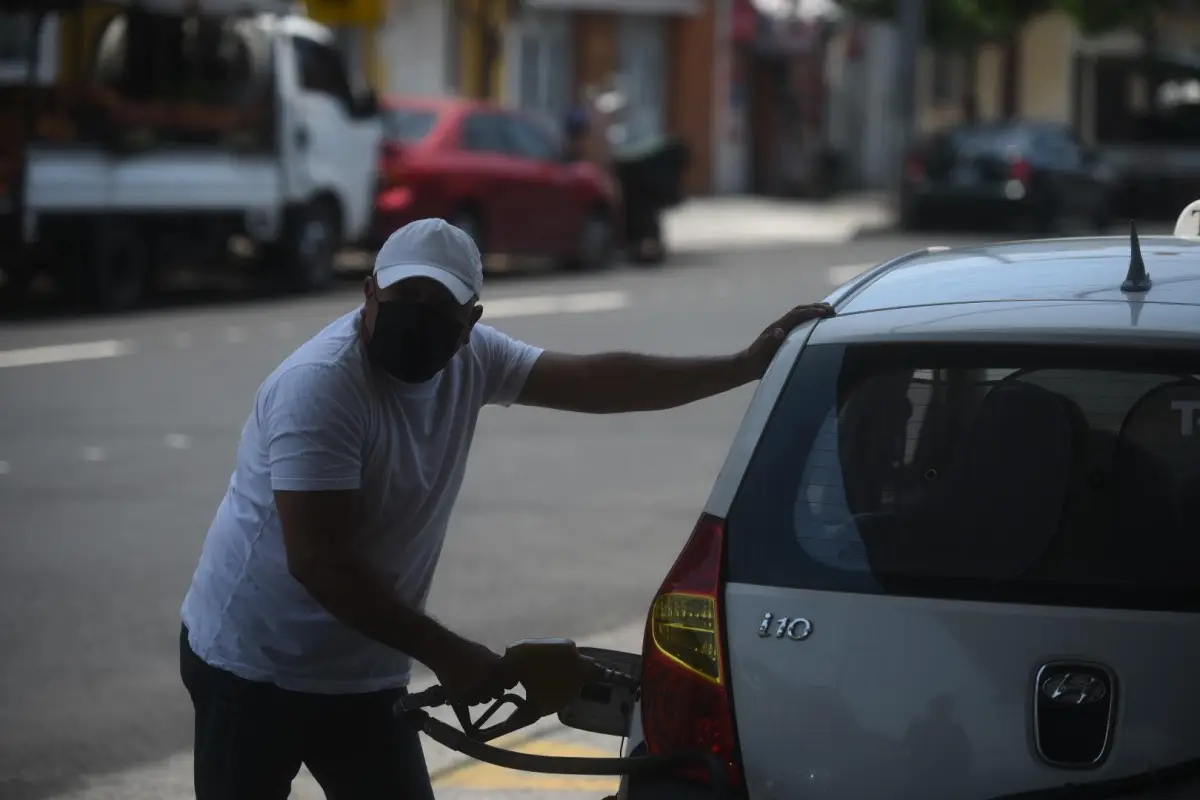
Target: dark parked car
(1012,173)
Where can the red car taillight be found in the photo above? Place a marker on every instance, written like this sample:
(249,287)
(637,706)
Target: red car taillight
(1020,170)
(686,703)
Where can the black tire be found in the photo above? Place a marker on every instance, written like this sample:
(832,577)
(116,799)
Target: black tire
(116,274)
(15,286)
(304,259)
(597,244)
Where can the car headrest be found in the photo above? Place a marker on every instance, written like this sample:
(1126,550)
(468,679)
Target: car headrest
(1011,483)
(1164,424)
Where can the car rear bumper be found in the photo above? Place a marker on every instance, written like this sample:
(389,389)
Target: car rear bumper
(654,787)
(947,203)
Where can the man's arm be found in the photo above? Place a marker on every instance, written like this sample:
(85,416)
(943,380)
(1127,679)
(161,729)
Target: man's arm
(317,530)
(613,383)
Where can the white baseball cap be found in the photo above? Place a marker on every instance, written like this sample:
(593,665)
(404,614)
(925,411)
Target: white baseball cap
(432,248)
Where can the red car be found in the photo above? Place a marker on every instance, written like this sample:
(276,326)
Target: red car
(501,175)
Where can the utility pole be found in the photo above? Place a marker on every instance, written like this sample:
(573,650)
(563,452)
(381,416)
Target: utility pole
(908,54)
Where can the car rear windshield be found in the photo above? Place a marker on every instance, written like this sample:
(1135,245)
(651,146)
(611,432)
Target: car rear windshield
(982,138)
(408,125)
(1010,474)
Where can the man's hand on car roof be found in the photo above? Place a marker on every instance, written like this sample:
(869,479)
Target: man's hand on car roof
(767,345)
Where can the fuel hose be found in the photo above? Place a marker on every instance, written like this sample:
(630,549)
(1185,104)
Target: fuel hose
(449,736)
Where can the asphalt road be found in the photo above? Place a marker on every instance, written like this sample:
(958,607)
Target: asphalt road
(116,444)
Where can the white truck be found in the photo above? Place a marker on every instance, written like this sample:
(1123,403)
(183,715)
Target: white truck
(279,152)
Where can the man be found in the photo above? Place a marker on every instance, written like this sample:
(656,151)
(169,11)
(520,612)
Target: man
(576,129)
(306,609)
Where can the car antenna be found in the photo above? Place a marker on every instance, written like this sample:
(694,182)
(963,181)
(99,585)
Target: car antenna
(1137,279)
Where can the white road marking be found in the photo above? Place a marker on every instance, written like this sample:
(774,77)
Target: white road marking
(501,308)
(846,272)
(93,454)
(581,303)
(63,353)
(177,441)
(5,468)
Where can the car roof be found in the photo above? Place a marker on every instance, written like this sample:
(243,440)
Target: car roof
(1029,291)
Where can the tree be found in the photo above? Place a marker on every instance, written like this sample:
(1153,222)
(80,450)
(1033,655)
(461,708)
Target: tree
(1101,16)
(963,26)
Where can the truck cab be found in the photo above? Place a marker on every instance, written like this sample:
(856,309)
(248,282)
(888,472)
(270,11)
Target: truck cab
(182,128)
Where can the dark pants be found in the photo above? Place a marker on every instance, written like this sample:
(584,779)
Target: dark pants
(252,738)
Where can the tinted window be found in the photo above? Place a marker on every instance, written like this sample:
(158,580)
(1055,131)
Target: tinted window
(322,71)
(408,125)
(1024,475)
(985,145)
(530,141)
(989,140)
(485,133)
(1057,147)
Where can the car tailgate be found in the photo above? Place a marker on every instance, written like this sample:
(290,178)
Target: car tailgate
(915,698)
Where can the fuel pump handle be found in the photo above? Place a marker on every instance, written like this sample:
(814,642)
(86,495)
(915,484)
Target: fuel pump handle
(552,672)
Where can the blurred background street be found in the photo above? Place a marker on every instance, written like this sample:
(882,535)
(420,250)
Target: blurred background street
(661,175)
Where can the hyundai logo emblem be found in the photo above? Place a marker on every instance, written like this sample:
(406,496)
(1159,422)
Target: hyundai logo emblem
(1073,688)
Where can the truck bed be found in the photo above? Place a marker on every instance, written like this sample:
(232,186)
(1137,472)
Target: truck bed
(66,180)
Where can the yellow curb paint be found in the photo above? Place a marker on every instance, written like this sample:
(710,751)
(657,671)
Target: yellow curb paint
(487,776)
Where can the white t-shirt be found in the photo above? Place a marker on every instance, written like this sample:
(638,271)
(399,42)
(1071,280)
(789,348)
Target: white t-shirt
(325,420)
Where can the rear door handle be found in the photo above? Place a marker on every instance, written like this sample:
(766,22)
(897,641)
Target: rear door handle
(302,138)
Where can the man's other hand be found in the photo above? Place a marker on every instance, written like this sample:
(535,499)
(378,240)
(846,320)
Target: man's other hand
(765,347)
(473,674)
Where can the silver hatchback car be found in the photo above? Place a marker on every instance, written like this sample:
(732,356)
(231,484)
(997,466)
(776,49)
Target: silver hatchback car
(954,551)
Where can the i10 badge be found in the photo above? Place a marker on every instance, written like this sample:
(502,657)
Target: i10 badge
(795,628)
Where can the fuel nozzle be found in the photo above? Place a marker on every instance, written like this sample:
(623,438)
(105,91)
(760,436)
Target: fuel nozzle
(553,671)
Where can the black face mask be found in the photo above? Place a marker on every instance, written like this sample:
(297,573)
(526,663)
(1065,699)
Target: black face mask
(413,342)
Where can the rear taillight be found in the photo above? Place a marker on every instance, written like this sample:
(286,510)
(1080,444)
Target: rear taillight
(686,702)
(1020,170)
(914,168)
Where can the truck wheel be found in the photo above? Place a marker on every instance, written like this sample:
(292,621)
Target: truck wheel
(15,282)
(304,259)
(116,276)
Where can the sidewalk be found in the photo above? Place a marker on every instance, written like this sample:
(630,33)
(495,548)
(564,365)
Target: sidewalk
(717,223)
